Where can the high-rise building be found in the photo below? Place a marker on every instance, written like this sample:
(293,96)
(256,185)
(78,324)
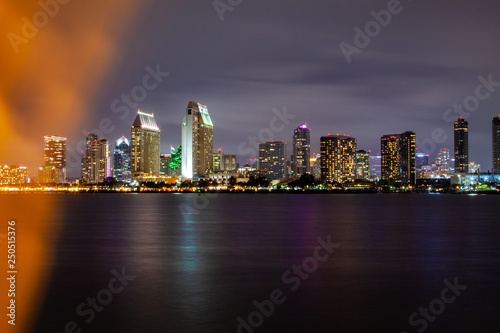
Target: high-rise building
(121,160)
(197,141)
(145,146)
(362,165)
(54,161)
(165,160)
(443,159)
(315,165)
(398,158)
(474,167)
(376,166)
(301,150)
(461,146)
(338,158)
(13,175)
(496,144)
(96,161)
(272,158)
(421,159)
(175,165)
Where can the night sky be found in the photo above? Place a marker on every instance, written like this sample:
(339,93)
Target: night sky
(264,55)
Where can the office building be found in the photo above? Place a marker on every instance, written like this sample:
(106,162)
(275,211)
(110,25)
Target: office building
(461,146)
(398,158)
(496,144)
(301,150)
(13,175)
(165,160)
(197,141)
(272,158)
(362,165)
(96,161)
(338,158)
(121,160)
(53,170)
(421,159)
(443,160)
(145,146)
(375,166)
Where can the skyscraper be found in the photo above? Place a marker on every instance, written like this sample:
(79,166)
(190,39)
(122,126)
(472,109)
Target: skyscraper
(96,161)
(272,158)
(443,159)
(145,146)
(338,158)
(421,159)
(301,150)
(398,158)
(54,166)
(362,165)
(461,145)
(496,144)
(165,160)
(121,160)
(197,141)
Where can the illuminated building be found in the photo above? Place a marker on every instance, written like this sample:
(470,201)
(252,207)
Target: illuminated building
(376,166)
(121,160)
(474,167)
(443,159)
(223,162)
(272,158)
(13,175)
(398,158)
(96,162)
(461,146)
(362,165)
(301,150)
(197,141)
(338,158)
(421,159)
(217,160)
(496,144)
(53,170)
(315,166)
(145,146)
(165,160)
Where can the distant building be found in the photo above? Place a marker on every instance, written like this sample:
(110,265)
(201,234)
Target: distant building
(96,161)
(197,142)
(362,165)
(461,146)
(54,169)
(398,158)
(375,166)
(338,158)
(13,175)
(272,158)
(443,160)
(145,146)
(165,160)
(315,165)
(301,150)
(474,168)
(496,144)
(121,160)
(175,165)
(223,162)
(421,159)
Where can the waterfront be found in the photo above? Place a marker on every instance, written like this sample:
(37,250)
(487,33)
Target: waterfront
(200,261)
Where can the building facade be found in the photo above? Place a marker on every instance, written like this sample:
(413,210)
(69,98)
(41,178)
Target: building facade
(398,158)
(338,158)
(272,158)
(54,169)
(145,146)
(461,146)
(197,142)
(301,151)
(13,175)
(96,161)
(443,160)
(362,165)
(496,144)
(121,160)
